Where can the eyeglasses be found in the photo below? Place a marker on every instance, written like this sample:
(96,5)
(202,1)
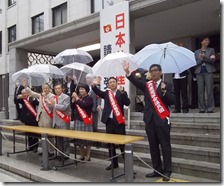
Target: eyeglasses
(154,70)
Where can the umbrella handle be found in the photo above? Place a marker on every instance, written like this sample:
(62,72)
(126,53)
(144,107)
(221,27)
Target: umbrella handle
(78,81)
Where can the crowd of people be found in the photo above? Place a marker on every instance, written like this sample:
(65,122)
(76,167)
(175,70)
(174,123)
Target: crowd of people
(81,104)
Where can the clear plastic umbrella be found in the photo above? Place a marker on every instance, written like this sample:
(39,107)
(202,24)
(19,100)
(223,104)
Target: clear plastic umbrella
(77,70)
(34,78)
(111,65)
(171,57)
(73,55)
(50,70)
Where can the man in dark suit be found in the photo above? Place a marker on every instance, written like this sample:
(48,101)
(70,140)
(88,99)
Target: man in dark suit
(180,83)
(17,92)
(158,96)
(113,112)
(28,117)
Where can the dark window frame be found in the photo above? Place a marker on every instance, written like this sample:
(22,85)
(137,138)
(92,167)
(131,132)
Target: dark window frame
(12,34)
(60,8)
(40,25)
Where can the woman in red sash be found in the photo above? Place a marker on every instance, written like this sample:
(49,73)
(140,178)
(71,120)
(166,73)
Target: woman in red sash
(83,118)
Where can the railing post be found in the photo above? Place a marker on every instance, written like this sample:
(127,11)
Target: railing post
(128,165)
(0,141)
(44,152)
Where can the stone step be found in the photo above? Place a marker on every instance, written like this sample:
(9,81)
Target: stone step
(184,127)
(196,168)
(192,139)
(211,155)
(201,169)
(185,117)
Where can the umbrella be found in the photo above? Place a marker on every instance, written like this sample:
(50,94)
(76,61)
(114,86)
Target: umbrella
(111,65)
(73,55)
(171,57)
(35,78)
(78,70)
(51,70)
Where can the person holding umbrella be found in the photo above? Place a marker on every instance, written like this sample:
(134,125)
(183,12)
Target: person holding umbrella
(113,112)
(83,104)
(158,96)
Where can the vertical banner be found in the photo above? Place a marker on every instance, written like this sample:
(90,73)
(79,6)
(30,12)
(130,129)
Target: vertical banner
(115,36)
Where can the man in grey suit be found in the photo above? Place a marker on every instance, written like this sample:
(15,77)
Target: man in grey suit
(96,102)
(61,118)
(205,58)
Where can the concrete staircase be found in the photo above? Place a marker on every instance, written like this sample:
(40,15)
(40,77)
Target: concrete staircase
(195,139)
(195,142)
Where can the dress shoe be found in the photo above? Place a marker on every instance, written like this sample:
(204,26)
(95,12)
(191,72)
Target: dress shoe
(152,175)
(209,111)
(82,159)
(88,159)
(176,111)
(61,158)
(167,177)
(201,111)
(114,166)
(50,155)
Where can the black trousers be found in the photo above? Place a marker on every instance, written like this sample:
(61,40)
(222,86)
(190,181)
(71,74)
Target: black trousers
(180,89)
(113,127)
(159,135)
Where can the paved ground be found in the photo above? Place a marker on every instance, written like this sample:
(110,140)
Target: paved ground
(28,165)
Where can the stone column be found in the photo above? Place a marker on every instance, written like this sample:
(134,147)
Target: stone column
(17,61)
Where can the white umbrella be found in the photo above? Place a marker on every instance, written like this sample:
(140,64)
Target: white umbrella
(51,70)
(111,65)
(171,57)
(78,70)
(35,78)
(73,55)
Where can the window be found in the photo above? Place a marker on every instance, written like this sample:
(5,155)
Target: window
(38,23)
(60,15)
(0,42)
(97,5)
(11,2)
(12,34)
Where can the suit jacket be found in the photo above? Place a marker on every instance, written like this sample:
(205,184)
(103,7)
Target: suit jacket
(18,90)
(26,116)
(149,110)
(122,99)
(208,62)
(64,106)
(72,88)
(86,104)
(42,116)
(96,100)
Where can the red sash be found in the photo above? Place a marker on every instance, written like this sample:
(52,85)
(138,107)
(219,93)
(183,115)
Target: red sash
(84,115)
(61,114)
(115,107)
(30,107)
(156,101)
(47,110)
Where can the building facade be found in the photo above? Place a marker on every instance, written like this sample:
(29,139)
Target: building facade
(41,29)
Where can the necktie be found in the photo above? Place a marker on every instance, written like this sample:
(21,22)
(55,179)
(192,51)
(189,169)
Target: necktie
(156,85)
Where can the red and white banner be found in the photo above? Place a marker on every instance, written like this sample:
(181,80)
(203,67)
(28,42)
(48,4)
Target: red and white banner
(30,107)
(47,110)
(156,101)
(61,114)
(84,115)
(115,107)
